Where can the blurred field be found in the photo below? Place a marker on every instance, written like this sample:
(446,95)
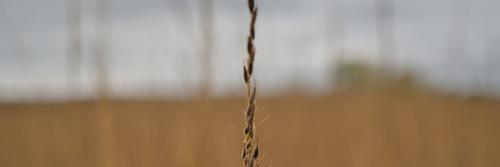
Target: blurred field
(348,129)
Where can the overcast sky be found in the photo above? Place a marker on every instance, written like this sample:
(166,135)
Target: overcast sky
(155,44)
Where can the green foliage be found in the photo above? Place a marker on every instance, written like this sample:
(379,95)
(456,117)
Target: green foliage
(354,75)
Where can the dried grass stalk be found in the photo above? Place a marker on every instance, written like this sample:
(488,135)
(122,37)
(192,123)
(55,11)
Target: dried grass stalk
(250,153)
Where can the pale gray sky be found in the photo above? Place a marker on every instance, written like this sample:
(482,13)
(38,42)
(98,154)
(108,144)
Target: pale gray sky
(155,42)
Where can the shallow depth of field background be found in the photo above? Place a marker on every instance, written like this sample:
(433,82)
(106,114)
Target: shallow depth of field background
(354,83)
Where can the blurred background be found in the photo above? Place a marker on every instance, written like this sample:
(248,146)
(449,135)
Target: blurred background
(159,82)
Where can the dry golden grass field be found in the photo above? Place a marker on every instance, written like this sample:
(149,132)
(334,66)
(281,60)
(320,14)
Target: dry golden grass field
(342,130)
